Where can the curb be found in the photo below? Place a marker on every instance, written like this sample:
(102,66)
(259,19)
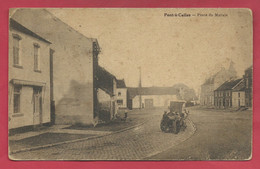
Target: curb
(73,141)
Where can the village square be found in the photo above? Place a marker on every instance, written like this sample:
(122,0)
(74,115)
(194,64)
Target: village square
(67,103)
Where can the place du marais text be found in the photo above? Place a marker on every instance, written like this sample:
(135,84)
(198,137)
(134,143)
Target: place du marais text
(194,15)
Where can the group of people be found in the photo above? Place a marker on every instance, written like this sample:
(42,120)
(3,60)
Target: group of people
(174,120)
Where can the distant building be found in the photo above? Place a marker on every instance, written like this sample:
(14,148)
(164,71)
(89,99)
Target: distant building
(213,82)
(106,95)
(230,94)
(121,94)
(29,77)
(150,97)
(248,80)
(238,95)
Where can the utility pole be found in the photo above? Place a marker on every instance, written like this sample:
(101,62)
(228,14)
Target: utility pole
(140,87)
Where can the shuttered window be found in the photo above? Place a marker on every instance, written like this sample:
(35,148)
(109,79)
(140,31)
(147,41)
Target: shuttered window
(36,57)
(17,98)
(16,50)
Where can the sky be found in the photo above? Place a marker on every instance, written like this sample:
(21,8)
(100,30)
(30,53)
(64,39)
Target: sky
(169,50)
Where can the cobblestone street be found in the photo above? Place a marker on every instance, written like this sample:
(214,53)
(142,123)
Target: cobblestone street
(210,135)
(134,144)
(220,135)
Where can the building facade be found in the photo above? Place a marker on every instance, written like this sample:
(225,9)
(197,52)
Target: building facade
(149,97)
(212,83)
(248,80)
(238,99)
(229,94)
(29,77)
(74,66)
(121,94)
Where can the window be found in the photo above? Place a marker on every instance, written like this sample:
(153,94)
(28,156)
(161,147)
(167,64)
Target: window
(17,98)
(16,50)
(36,57)
(238,94)
(119,102)
(119,93)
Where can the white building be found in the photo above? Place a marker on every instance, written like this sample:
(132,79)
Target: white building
(121,94)
(29,77)
(75,65)
(238,95)
(148,97)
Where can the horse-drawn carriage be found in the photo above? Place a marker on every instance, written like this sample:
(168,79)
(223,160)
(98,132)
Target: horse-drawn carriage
(174,120)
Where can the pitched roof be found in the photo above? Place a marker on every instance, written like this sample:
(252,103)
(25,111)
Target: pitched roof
(152,91)
(120,83)
(46,23)
(229,85)
(105,80)
(240,86)
(19,27)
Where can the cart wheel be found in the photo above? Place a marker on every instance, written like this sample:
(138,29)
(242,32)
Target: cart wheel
(163,127)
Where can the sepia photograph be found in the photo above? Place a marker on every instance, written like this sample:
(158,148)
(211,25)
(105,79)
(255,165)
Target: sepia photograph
(132,84)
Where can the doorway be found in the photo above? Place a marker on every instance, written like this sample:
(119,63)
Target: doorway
(37,105)
(148,103)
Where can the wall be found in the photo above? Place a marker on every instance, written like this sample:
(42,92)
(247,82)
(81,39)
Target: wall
(114,109)
(235,98)
(207,95)
(73,65)
(136,102)
(122,97)
(25,118)
(158,100)
(248,82)
(105,102)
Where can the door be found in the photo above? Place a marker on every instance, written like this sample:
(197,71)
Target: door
(113,110)
(37,105)
(148,103)
(130,104)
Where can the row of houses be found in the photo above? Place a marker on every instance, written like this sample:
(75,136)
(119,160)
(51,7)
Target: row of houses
(225,90)
(213,82)
(54,75)
(235,93)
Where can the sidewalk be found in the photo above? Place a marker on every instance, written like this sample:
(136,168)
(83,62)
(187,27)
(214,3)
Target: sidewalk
(61,134)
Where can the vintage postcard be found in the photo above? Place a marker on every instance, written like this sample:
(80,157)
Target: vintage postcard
(130,84)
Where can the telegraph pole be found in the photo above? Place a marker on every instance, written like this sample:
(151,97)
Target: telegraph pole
(140,87)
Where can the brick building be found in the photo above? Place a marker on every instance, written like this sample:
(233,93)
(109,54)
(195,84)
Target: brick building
(230,94)
(248,80)
(213,82)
